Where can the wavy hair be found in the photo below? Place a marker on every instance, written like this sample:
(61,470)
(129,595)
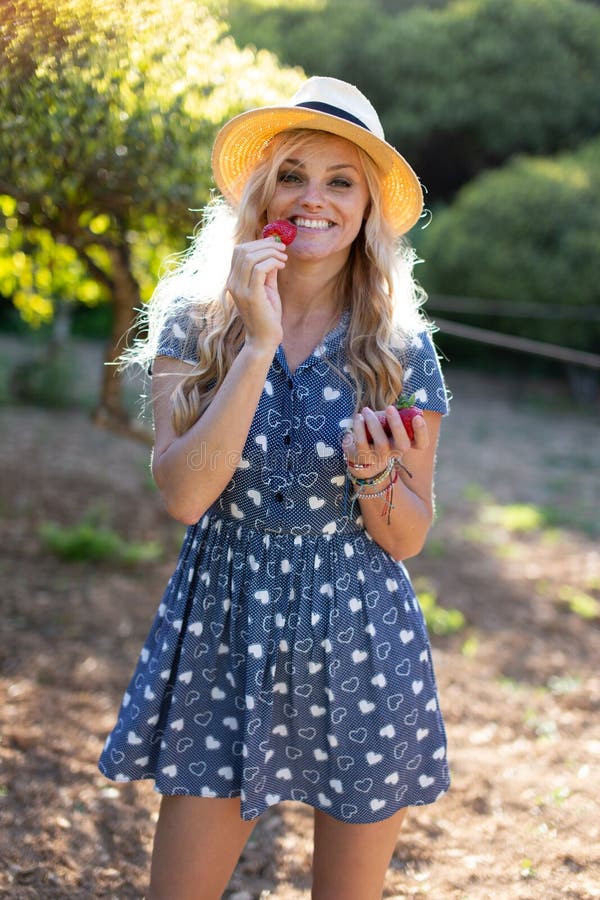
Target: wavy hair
(376,284)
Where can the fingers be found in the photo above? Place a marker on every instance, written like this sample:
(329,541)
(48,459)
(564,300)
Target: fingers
(400,438)
(252,262)
(421,439)
(366,445)
(356,447)
(252,283)
(369,444)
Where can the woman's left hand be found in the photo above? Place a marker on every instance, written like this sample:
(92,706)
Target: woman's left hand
(372,456)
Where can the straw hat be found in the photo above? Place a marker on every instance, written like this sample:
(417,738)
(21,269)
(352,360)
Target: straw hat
(323,104)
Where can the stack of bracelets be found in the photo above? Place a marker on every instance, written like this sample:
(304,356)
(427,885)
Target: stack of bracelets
(389,474)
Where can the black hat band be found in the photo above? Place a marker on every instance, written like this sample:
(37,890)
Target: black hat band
(334,111)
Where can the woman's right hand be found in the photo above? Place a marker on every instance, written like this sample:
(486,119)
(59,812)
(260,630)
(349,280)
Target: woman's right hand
(252,284)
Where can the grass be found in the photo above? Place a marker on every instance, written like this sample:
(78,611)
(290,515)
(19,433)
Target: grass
(563,684)
(88,541)
(529,518)
(517,518)
(579,602)
(470,647)
(440,621)
(527,869)
(557,797)
(583,518)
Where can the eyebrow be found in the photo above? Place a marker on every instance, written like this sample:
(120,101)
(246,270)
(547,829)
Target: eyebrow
(300,165)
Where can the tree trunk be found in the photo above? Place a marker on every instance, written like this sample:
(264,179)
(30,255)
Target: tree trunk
(111,411)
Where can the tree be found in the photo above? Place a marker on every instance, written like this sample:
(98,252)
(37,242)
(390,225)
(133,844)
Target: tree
(108,111)
(460,86)
(525,234)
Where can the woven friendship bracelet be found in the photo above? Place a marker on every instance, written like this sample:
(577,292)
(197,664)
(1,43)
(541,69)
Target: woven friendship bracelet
(391,471)
(387,492)
(376,479)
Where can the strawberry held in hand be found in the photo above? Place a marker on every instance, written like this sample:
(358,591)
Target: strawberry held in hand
(407,413)
(281,229)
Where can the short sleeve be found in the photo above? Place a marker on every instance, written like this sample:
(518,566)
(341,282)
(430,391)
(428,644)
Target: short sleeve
(179,339)
(423,375)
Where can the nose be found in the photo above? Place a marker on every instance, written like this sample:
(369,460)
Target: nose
(312,195)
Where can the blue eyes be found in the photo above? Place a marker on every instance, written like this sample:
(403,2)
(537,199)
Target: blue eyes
(295,178)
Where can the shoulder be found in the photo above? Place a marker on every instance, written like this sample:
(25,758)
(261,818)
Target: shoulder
(178,333)
(422,372)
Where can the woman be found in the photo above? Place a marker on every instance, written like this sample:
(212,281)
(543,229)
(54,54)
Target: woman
(289,658)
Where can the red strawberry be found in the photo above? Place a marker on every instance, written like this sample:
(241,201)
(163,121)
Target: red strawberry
(407,413)
(283,230)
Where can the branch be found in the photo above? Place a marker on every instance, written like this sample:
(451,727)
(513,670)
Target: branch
(94,269)
(77,239)
(91,238)
(6,188)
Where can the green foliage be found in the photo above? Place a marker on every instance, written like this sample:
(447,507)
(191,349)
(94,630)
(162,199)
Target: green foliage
(439,620)
(514,517)
(579,602)
(88,541)
(35,269)
(529,232)
(108,112)
(459,86)
(45,378)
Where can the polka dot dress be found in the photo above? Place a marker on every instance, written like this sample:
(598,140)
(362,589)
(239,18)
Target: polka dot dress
(289,658)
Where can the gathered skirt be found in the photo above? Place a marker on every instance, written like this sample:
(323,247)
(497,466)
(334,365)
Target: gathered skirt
(285,667)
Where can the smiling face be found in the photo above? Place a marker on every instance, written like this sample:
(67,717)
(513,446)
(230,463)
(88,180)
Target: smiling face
(321,188)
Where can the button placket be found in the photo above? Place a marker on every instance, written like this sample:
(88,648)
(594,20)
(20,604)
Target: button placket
(289,398)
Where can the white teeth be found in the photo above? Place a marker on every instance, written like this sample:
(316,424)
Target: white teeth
(319,224)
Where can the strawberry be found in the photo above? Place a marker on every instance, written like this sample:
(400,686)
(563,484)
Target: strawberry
(407,413)
(281,229)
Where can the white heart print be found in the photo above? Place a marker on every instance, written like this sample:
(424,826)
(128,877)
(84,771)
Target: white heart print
(288,658)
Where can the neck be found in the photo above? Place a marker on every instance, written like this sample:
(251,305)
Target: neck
(308,294)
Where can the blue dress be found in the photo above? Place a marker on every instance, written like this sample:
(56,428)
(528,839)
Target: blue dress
(289,658)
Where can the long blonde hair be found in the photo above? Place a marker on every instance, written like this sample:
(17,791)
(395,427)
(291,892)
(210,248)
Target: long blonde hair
(376,284)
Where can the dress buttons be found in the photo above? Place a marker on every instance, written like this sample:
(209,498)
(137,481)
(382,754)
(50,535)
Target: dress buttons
(290,383)
(287,439)
(279,497)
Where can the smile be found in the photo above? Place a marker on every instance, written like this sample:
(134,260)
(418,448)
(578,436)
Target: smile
(316,224)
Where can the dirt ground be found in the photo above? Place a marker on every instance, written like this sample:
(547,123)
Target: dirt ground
(515,548)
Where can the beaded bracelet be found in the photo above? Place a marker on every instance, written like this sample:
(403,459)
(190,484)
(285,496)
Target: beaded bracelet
(376,479)
(387,492)
(390,471)
(353,465)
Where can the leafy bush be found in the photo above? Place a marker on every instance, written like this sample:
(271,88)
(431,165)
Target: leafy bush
(45,378)
(459,86)
(108,111)
(438,619)
(87,541)
(527,233)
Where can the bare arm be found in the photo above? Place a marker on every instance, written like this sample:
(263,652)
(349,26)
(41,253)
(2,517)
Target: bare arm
(192,470)
(413,502)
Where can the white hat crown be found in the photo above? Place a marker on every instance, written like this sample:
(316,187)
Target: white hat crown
(321,104)
(338,98)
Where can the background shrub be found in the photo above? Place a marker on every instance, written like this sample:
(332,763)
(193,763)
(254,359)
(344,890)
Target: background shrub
(526,233)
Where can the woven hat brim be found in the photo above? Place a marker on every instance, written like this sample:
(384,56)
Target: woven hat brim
(240,144)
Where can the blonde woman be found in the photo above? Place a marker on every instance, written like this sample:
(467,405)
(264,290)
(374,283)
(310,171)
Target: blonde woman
(289,659)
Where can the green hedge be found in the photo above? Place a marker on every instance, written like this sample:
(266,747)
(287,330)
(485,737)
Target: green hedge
(526,233)
(459,86)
